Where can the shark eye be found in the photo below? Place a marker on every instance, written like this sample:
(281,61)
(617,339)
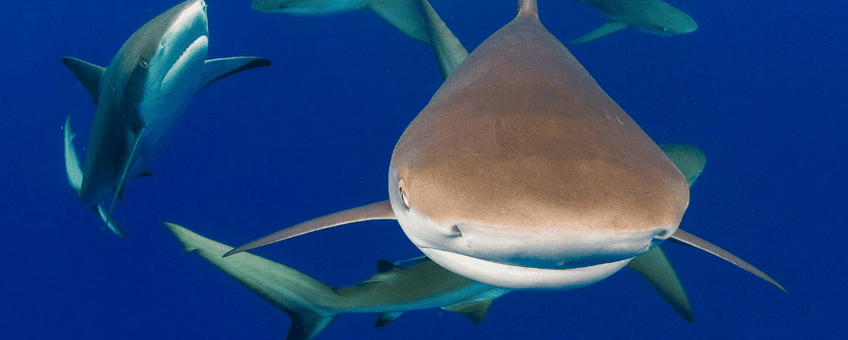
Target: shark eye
(402,193)
(143,64)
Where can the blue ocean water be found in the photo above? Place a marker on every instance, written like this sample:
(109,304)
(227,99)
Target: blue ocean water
(759,87)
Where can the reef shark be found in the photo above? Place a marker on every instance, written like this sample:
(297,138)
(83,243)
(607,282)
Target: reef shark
(393,290)
(139,99)
(650,16)
(400,13)
(522,173)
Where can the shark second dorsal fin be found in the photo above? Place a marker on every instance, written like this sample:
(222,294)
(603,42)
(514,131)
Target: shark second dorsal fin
(474,311)
(688,239)
(386,318)
(654,267)
(449,51)
(215,69)
(605,30)
(403,15)
(88,75)
(374,211)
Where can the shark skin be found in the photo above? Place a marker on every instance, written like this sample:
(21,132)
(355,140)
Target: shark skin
(402,14)
(650,16)
(509,275)
(139,98)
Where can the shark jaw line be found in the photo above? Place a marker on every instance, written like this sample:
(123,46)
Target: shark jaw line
(518,277)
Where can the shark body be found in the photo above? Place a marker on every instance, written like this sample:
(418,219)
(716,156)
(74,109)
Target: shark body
(650,16)
(512,178)
(140,97)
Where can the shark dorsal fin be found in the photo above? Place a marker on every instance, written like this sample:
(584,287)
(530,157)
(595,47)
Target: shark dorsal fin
(88,75)
(386,318)
(474,311)
(654,267)
(215,69)
(374,211)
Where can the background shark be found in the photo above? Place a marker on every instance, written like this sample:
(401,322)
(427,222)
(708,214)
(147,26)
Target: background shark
(650,16)
(140,97)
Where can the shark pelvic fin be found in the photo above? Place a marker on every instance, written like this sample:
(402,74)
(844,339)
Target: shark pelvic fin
(449,51)
(215,69)
(374,211)
(87,73)
(688,239)
(72,164)
(605,30)
(403,15)
(474,311)
(386,318)
(654,267)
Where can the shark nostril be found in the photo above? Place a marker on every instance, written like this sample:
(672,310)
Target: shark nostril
(455,231)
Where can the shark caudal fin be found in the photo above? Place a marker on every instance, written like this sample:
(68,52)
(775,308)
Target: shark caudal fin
(307,301)
(403,15)
(74,172)
(449,51)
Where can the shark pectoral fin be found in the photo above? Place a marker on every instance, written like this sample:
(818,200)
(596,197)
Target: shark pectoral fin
(386,318)
(687,158)
(87,73)
(72,164)
(654,267)
(688,239)
(215,69)
(306,324)
(403,15)
(605,30)
(449,51)
(110,223)
(374,211)
(474,311)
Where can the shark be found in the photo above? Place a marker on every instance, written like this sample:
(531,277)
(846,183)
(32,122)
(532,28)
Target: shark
(650,16)
(522,173)
(394,289)
(402,14)
(140,97)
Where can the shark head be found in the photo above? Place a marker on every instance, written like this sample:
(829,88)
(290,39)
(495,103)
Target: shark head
(522,173)
(142,94)
(663,19)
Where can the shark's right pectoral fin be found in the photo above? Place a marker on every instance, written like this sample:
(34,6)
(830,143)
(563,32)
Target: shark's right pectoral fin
(654,267)
(449,51)
(474,311)
(215,69)
(605,30)
(688,239)
(403,15)
(87,73)
(374,211)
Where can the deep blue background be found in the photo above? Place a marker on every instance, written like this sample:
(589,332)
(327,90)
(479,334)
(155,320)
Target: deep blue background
(760,87)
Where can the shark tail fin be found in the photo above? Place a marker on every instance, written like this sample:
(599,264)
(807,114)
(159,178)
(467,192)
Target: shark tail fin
(308,302)
(654,267)
(110,223)
(688,239)
(449,51)
(404,16)
(605,30)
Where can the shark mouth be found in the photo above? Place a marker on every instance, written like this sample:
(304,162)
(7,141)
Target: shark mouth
(519,277)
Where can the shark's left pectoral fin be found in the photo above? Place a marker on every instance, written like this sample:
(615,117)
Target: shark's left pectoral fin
(386,318)
(474,311)
(88,75)
(605,30)
(374,211)
(654,267)
(688,239)
(403,15)
(72,164)
(215,69)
